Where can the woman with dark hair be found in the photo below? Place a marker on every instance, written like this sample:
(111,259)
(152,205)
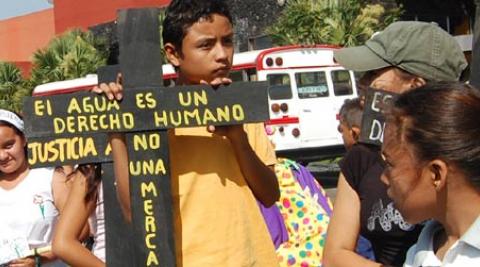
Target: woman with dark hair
(431,152)
(30,200)
(84,207)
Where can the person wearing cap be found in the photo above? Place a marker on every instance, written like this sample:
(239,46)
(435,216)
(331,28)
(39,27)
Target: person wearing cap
(404,56)
(30,200)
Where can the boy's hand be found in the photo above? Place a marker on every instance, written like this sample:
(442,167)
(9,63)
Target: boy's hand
(113,90)
(215,83)
(23,262)
(232,132)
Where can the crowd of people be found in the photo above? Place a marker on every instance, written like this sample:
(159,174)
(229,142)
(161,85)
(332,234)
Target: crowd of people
(403,57)
(413,201)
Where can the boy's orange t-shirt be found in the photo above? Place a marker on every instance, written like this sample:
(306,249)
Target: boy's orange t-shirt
(217,220)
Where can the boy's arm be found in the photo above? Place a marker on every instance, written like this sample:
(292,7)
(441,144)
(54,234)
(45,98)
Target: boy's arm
(114,90)
(122,175)
(260,178)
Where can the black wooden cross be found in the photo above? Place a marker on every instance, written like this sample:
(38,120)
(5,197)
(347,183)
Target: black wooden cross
(73,129)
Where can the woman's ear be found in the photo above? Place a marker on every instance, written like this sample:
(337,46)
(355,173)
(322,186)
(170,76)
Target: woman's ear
(172,54)
(438,171)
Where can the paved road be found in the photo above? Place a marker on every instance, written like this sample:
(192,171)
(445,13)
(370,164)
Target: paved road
(327,175)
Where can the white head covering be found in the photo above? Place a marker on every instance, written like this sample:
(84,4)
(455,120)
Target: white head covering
(12,118)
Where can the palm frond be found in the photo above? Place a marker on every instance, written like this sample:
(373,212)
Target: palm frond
(71,55)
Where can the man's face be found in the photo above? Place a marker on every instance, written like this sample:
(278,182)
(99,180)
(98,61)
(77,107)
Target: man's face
(347,135)
(386,79)
(207,51)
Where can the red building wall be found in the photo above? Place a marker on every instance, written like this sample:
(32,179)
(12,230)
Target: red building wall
(21,36)
(86,13)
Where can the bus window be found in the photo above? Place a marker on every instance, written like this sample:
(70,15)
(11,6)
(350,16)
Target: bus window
(279,86)
(246,75)
(342,85)
(311,84)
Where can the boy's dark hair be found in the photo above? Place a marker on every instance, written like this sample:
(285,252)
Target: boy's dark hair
(351,113)
(182,14)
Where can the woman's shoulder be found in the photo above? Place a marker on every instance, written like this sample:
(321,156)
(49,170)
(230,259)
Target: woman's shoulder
(46,177)
(37,172)
(40,175)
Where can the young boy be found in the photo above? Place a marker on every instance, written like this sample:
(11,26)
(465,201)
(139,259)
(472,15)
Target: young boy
(350,121)
(216,172)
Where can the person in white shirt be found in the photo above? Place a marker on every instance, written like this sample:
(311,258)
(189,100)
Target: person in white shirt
(431,152)
(30,200)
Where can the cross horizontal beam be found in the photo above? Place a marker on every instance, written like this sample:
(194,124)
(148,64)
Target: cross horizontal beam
(145,109)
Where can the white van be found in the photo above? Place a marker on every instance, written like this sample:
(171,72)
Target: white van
(306,90)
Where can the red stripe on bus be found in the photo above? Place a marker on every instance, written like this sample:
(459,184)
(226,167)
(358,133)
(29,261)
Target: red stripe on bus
(284,120)
(243,66)
(300,67)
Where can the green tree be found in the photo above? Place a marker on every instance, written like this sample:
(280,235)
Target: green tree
(345,23)
(12,87)
(71,55)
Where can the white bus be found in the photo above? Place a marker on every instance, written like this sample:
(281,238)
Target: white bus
(306,90)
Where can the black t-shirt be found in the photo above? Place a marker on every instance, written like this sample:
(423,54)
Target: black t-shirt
(380,222)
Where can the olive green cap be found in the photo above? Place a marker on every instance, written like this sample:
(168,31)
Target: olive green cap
(420,48)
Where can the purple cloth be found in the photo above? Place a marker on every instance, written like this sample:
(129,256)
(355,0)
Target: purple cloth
(273,217)
(276,226)
(306,179)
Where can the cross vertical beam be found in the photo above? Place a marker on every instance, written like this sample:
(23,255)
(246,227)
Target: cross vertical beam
(150,189)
